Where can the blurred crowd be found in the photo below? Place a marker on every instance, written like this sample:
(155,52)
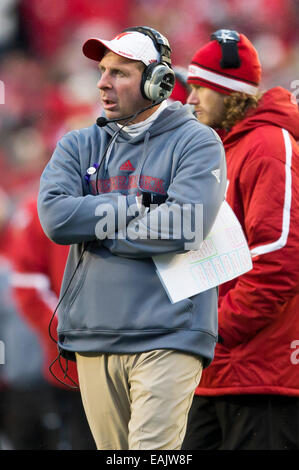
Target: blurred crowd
(48,88)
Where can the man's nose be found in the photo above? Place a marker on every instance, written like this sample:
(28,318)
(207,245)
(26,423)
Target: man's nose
(103,81)
(193,97)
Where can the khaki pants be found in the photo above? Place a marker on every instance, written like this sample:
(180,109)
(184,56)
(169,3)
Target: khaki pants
(138,401)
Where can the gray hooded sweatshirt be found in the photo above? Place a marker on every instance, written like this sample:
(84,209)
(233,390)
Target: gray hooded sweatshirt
(112,300)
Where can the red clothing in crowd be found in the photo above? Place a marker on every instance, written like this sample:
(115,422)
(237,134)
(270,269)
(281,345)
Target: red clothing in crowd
(38,270)
(50,24)
(259,311)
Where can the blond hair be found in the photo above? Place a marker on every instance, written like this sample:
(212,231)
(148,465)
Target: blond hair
(236,107)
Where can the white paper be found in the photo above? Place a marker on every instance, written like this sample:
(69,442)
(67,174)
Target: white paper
(223,255)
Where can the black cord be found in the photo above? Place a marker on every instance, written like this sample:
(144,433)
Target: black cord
(67,288)
(58,358)
(104,155)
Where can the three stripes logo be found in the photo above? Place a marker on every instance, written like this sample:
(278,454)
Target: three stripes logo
(127,166)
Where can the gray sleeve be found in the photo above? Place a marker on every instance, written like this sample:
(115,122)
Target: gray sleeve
(194,198)
(66,215)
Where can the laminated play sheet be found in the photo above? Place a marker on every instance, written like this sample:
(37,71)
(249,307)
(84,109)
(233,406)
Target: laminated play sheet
(223,255)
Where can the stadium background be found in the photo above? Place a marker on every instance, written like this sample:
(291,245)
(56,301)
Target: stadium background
(48,87)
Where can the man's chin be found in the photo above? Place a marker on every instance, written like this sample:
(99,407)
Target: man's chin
(204,120)
(117,116)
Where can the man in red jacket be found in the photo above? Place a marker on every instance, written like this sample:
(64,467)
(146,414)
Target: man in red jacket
(248,396)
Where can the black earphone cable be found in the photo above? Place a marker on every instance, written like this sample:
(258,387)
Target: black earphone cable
(58,358)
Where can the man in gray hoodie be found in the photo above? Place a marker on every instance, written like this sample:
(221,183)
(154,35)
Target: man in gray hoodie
(119,192)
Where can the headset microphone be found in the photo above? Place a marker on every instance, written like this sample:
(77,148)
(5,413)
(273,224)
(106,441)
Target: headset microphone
(102,121)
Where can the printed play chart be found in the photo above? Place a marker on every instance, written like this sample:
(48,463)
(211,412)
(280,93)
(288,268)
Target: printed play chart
(223,255)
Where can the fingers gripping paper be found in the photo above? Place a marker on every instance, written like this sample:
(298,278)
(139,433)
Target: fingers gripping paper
(223,255)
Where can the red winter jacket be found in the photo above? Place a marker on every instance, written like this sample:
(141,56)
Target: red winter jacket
(259,311)
(38,269)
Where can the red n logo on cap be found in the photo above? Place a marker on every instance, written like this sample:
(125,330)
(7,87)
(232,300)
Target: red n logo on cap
(120,35)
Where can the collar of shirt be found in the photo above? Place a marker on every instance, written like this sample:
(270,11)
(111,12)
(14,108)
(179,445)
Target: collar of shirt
(135,129)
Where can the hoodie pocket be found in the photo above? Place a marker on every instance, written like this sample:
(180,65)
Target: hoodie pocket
(131,297)
(70,291)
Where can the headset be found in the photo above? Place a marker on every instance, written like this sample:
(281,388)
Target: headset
(158,79)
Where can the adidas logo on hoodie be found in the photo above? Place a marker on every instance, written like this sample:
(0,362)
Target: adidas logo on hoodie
(127,166)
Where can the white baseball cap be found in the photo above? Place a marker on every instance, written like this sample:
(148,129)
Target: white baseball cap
(131,44)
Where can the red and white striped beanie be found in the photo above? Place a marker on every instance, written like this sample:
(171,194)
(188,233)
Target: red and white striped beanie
(205,69)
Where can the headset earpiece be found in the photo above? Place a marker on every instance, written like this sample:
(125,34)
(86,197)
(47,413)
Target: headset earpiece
(157,82)
(158,79)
